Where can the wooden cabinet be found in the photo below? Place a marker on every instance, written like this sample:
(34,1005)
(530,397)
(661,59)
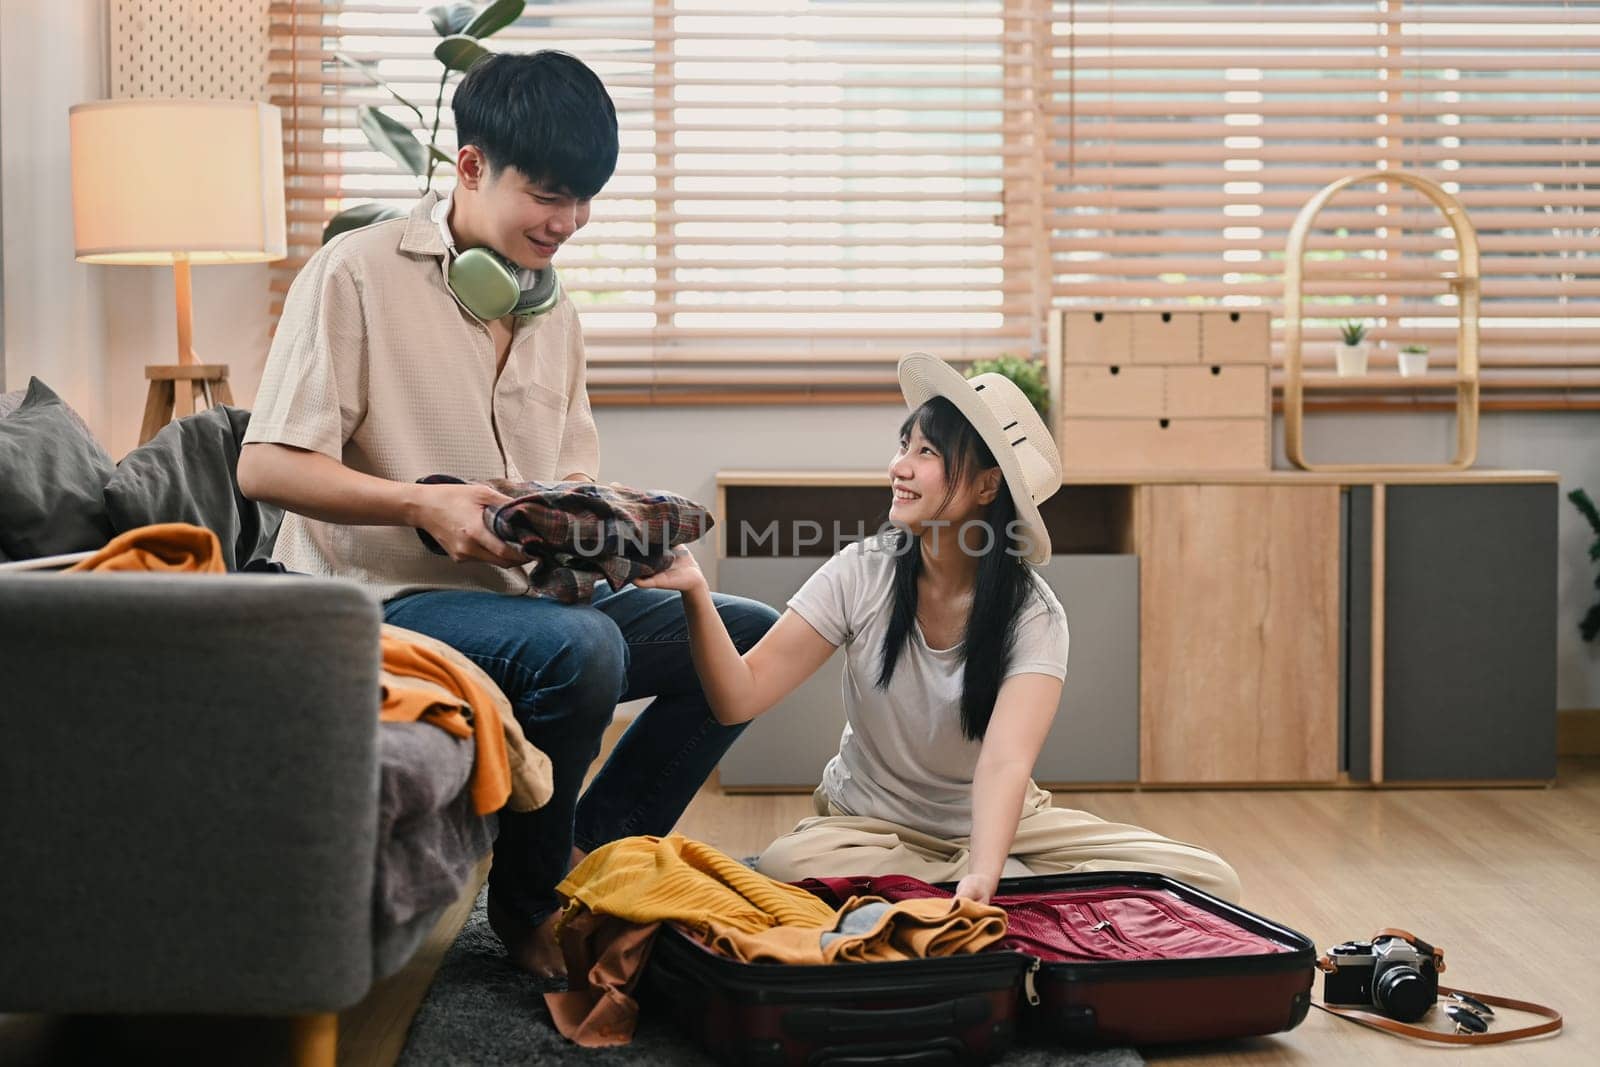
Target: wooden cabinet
(1239,633)
(1461,636)
(1223,624)
(1140,390)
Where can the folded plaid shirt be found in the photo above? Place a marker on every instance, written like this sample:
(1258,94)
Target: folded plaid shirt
(579,532)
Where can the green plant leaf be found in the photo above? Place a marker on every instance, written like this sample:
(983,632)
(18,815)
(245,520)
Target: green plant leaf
(494,18)
(1584,504)
(366,71)
(440,156)
(449,19)
(459,52)
(1354,332)
(1028,374)
(391,138)
(353,218)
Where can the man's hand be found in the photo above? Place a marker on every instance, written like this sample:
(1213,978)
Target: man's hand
(453,514)
(977,887)
(684,574)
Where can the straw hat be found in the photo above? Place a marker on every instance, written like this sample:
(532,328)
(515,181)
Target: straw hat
(1008,424)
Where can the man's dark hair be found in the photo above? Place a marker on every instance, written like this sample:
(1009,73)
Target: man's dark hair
(545,113)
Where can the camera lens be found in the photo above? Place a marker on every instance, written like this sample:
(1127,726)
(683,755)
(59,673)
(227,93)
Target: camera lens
(1403,994)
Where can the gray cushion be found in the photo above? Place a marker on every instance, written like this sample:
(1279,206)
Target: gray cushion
(52,475)
(187,473)
(9,402)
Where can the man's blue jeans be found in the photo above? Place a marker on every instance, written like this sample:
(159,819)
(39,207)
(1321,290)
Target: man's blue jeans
(565,668)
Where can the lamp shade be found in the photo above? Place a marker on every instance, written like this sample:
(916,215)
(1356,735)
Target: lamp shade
(159,181)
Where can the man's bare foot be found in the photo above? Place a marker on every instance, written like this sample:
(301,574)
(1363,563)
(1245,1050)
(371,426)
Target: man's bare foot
(531,946)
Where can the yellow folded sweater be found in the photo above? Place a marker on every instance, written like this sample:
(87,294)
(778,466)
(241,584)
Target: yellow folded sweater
(660,879)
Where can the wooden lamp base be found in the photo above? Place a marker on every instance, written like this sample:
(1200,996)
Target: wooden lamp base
(181,389)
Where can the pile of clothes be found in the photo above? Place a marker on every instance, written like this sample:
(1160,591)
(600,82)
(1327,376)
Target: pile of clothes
(622,893)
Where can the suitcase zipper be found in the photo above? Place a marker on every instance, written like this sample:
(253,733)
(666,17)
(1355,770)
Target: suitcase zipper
(1105,927)
(1028,988)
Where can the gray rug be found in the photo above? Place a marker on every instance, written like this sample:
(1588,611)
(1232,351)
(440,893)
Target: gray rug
(482,1012)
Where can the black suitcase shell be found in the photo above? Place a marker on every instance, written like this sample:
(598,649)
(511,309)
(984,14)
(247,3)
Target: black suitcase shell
(958,1009)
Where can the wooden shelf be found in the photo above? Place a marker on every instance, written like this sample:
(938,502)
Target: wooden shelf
(1384,381)
(876,478)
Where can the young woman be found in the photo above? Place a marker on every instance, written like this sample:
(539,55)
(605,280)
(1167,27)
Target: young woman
(955,656)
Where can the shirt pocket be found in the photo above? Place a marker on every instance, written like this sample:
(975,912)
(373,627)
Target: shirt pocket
(542,396)
(536,437)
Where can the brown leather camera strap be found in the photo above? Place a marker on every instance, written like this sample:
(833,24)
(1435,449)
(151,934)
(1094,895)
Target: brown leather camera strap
(1382,1022)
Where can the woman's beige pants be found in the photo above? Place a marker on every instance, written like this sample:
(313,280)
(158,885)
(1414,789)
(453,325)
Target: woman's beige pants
(1049,840)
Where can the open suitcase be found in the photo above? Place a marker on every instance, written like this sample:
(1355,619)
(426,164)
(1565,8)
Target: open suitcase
(1121,958)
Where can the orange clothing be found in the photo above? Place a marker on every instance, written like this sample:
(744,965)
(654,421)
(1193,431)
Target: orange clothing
(426,680)
(605,958)
(169,546)
(907,930)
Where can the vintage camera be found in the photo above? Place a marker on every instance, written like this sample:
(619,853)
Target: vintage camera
(1389,973)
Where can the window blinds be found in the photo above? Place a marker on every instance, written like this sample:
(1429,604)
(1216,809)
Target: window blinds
(809,188)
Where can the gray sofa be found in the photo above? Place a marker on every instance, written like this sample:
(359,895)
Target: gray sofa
(199,810)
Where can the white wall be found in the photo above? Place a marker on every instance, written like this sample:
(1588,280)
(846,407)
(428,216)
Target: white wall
(88,331)
(231,325)
(51,57)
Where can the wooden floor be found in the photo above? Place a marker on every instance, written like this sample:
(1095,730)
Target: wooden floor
(1507,881)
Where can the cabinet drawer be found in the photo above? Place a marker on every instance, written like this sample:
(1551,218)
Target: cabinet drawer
(1164,444)
(1111,390)
(1235,337)
(1217,390)
(1166,337)
(1096,337)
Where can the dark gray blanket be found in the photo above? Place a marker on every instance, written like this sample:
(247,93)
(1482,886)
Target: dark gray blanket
(186,473)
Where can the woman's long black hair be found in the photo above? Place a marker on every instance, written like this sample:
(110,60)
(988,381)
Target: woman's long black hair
(1003,584)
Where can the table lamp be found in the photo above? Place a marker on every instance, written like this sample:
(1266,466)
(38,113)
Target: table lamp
(181,182)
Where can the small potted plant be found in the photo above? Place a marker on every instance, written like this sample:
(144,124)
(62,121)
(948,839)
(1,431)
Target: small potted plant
(1413,361)
(1350,356)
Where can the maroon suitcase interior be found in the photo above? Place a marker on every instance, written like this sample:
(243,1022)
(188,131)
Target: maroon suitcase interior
(1135,958)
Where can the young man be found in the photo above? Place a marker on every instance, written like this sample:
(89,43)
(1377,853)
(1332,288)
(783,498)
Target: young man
(381,374)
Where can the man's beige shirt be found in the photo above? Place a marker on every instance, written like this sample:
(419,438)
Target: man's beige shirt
(377,365)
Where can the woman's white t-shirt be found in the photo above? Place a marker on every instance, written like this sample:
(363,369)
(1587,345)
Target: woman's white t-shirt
(902,756)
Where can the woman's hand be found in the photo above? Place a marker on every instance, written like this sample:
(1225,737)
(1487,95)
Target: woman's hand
(684,574)
(978,888)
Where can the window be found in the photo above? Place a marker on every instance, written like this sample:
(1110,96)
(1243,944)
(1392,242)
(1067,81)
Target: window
(810,188)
